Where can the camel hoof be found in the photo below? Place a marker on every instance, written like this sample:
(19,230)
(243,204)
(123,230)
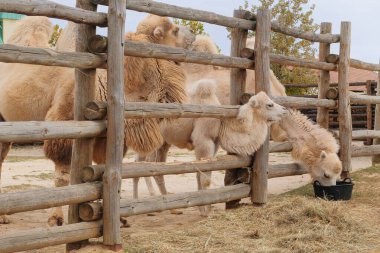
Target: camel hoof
(176,212)
(55,221)
(124,223)
(205,210)
(4,220)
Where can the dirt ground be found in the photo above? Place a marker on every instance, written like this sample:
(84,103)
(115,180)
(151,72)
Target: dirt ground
(26,168)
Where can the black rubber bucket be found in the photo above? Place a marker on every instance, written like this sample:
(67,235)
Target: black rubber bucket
(341,191)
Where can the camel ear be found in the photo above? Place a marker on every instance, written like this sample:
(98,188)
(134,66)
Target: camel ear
(158,32)
(323,155)
(253,102)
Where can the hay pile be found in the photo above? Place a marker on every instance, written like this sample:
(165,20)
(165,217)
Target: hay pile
(294,222)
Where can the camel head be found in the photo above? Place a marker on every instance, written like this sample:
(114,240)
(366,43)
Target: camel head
(327,169)
(162,31)
(265,108)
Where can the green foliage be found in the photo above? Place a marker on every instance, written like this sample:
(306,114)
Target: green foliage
(291,13)
(195,26)
(54,37)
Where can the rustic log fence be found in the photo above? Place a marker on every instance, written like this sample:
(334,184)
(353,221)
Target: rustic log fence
(103,181)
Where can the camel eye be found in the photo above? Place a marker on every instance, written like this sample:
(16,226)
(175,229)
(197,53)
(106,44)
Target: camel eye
(270,105)
(326,176)
(175,31)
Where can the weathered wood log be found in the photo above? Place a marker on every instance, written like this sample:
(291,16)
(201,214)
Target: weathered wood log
(16,202)
(324,78)
(183,200)
(364,134)
(162,9)
(365,150)
(248,53)
(53,10)
(259,175)
(97,44)
(369,110)
(150,50)
(84,91)
(285,170)
(376,159)
(43,237)
(332,58)
(364,99)
(43,130)
(276,147)
(344,107)
(364,65)
(296,62)
(98,110)
(90,211)
(115,126)
(144,169)
(332,93)
(297,102)
(50,57)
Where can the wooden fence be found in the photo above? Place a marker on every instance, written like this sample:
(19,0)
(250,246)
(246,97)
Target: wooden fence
(87,219)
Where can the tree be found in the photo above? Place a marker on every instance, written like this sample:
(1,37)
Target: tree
(291,13)
(195,26)
(55,35)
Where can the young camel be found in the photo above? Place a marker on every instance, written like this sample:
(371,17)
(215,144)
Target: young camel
(46,93)
(242,135)
(314,147)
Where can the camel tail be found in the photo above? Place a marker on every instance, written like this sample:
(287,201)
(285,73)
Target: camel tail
(203,88)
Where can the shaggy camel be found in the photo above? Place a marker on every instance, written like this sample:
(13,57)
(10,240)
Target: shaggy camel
(46,93)
(242,135)
(195,72)
(313,147)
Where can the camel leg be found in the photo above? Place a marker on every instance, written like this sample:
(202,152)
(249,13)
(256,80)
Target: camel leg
(4,149)
(148,181)
(204,149)
(160,155)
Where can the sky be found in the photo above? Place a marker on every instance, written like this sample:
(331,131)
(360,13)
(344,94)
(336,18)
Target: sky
(363,15)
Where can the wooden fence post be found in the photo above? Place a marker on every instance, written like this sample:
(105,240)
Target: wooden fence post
(259,181)
(369,111)
(344,107)
(324,80)
(376,158)
(115,128)
(237,89)
(84,92)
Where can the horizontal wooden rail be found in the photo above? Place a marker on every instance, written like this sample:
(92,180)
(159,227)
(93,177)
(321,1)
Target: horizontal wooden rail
(163,9)
(299,33)
(307,85)
(144,169)
(150,50)
(53,10)
(364,99)
(98,110)
(49,57)
(364,134)
(183,200)
(16,202)
(42,130)
(277,147)
(296,62)
(365,150)
(298,102)
(43,237)
(334,58)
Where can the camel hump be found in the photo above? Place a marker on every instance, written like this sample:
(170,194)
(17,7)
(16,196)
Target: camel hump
(203,88)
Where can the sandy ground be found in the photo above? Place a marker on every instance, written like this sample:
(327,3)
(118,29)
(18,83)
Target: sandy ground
(26,168)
